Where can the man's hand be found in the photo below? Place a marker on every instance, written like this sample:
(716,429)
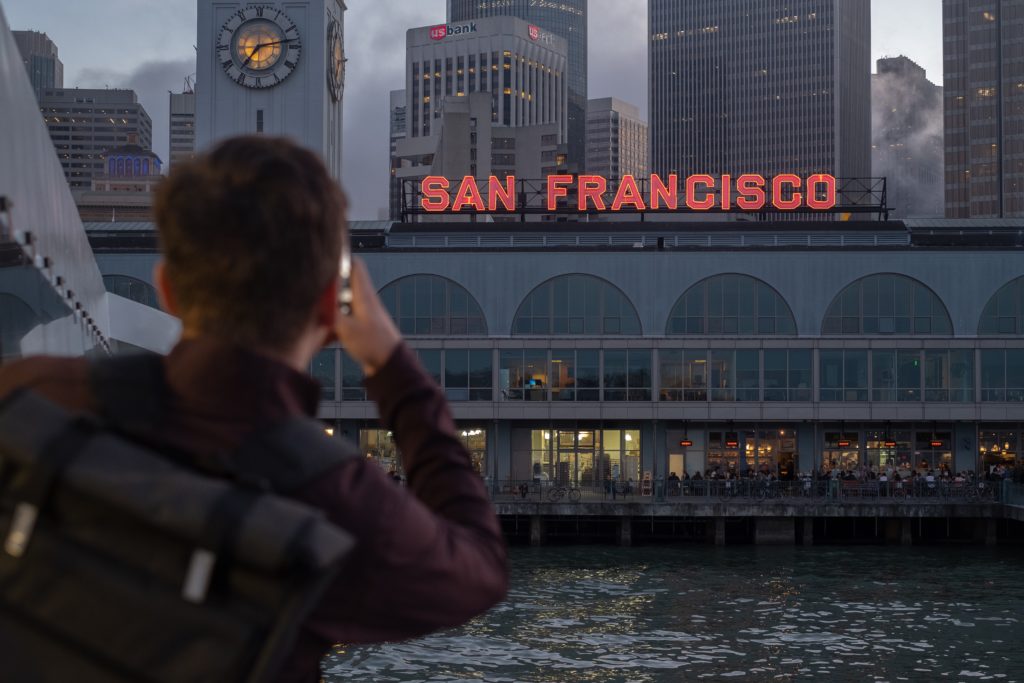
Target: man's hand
(369,335)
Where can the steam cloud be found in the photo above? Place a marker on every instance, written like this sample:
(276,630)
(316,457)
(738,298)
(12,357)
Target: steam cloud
(907,143)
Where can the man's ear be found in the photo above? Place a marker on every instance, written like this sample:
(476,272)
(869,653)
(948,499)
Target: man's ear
(165,293)
(326,315)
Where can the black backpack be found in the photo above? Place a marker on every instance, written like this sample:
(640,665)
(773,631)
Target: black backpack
(119,563)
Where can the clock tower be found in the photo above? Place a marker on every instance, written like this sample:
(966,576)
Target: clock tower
(275,67)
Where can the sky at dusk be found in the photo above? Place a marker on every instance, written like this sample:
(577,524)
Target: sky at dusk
(147,45)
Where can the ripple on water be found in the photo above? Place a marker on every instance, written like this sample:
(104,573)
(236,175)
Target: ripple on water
(657,614)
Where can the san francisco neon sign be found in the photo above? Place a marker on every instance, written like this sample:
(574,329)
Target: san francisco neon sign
(592,193)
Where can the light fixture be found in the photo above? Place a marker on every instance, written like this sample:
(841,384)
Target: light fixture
(329,431)
(547,435)
(629,437)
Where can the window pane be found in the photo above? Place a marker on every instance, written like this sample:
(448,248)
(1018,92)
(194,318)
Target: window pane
(431,361)
(456,369)
(640,371)
(615,369)
(322,370)
(480,376)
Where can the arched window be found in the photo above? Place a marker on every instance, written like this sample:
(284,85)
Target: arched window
(16,320)
(433,305)
(1004,312)
(887,304)
(576,304)
(132,288)
(731,304)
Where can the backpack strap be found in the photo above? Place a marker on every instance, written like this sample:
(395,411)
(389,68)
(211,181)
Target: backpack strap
(131,390)
(287,456)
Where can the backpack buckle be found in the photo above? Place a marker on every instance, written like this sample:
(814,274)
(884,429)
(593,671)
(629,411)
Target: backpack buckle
(197,578)
(22,525)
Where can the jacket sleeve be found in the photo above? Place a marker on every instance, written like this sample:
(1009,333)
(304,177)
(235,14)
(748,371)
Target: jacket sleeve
(429,556)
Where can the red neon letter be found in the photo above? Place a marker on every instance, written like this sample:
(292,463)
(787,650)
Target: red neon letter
(628,193)
(468,195)
(786,204)
(750,188)
(556,189)
(435,194)
(691,188)
(591,188)
(726,193)
(662,192)
(506,195)
(829,202)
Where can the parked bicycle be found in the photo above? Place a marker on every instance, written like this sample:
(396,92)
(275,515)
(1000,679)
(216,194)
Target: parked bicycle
(559,491)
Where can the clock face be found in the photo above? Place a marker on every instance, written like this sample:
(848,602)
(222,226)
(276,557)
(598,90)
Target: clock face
(258,46)
(335,60)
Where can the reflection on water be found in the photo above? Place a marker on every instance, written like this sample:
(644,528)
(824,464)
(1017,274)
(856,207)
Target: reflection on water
(779,614)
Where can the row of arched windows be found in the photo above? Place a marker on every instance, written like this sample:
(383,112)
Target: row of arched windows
(728,304)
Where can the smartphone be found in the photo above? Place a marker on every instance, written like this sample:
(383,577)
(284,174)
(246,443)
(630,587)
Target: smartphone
(345,277)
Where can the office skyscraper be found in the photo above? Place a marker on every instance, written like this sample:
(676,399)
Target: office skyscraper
(397,117)
(616,139)
(906,145)
(84,124)
(566,19)
(183,126)
(984,104)
(760,86)
(39,53)
(485,97)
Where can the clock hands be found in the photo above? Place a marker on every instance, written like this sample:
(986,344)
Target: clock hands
(260,46)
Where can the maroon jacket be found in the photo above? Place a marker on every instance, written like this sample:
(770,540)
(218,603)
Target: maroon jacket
(429,556)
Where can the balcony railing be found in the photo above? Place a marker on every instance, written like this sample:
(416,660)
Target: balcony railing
(747,491)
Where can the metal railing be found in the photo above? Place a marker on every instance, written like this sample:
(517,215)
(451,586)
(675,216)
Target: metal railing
(532,491)
(917,491)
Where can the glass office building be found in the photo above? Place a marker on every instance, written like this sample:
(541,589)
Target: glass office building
(760,86)
(564,18)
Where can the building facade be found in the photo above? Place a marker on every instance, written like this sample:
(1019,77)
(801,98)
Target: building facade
(482,98)
(276,68)
(906,146)
(748,86)
(983,56)
(634,350)
(397,119)
(182,126)
(52,295)
(566,19)
(85,123)
(617,142)
(39,53)
(125,190)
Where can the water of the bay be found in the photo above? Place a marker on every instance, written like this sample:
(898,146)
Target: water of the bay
(737,613)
